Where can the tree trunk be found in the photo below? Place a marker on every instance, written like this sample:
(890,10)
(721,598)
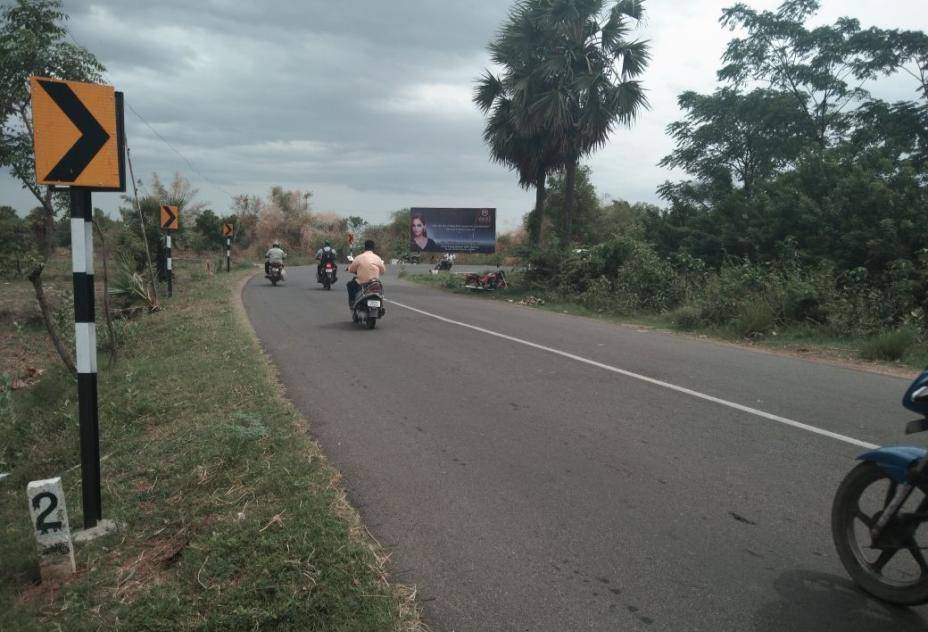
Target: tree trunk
(107,311)
(36,278)
(151,268)
(537,218)
(48,232)
(570,200)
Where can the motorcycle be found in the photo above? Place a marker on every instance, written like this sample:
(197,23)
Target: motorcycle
(275,272)
(444,263)
(877,512)
(490,281)
(327,275)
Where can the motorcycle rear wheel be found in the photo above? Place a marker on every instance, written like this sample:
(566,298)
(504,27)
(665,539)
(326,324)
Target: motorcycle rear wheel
(274,282)
(897,575)
(371,322)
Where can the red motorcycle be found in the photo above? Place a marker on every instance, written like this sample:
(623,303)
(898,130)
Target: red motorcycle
(489,281)
(326,276)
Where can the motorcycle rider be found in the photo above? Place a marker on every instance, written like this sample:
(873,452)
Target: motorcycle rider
(274,255)
(324,254)
(367,266)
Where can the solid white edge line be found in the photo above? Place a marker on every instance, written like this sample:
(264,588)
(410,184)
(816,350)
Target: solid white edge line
(680,389)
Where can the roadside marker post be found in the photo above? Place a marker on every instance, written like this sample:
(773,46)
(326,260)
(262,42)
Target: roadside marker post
(170,221)
(227,230)
(52,529)
(79,140)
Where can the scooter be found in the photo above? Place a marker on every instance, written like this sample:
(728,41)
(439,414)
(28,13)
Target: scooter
(877,512)
(368,305)
(326,276)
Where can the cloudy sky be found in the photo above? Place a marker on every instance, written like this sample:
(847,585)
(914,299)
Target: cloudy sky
(368,103)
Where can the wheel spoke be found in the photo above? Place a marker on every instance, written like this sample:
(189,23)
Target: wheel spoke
(864,518)
(884,558)
(919,557)
(890,492)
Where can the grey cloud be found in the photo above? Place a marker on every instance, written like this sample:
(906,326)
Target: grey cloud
(366,103)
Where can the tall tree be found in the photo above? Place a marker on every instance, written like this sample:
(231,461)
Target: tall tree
(823,68)
(588,71)
(33,43)
(514,140)
(729,137)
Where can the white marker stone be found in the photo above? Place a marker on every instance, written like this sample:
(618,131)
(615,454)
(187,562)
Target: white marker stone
(52,530)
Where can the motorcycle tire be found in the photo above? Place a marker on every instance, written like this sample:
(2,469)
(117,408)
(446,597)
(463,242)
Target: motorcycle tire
(845,515)
(274,282)
(371,322)
(327,285)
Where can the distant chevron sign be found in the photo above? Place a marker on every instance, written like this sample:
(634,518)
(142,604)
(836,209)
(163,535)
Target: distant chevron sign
(169,217)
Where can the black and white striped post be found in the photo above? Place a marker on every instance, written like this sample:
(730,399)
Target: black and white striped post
(228,229)
(170,265)
(85,337)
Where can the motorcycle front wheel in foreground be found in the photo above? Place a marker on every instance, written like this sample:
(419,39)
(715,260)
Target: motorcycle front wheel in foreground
(894,568)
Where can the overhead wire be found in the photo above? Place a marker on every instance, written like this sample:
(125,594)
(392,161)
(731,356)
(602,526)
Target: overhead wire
(159,136)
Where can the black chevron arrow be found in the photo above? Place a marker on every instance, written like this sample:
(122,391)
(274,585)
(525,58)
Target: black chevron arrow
(93,136)
(170,222)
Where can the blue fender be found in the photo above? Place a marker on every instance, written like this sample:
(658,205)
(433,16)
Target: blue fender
(895,461)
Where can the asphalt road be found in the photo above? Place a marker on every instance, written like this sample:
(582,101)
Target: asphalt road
(542,488)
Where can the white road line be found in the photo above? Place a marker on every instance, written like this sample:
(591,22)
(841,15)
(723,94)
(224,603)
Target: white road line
(673,387)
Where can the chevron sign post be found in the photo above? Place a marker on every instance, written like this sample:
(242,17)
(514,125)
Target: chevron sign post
(80,144)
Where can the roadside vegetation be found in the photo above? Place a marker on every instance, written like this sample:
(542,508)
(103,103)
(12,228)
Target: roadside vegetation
(800,214)
(231,517)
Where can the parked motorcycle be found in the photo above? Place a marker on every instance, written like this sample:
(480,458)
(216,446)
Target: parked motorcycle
(490,281)
(878,510)
(275,272)
(327,275)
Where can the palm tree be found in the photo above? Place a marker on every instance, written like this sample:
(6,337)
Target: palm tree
(514,141)
(581,78)
(530,155)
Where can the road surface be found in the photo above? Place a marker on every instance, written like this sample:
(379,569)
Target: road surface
(537,471)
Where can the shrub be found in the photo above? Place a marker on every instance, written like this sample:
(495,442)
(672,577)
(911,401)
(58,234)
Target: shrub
(686,318)
(889,346)
(754,318)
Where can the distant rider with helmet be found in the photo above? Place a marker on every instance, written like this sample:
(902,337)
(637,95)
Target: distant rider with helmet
(274,255)
(324,255)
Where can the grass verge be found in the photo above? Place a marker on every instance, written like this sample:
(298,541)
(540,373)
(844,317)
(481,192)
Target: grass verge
(233,520)
(893,350)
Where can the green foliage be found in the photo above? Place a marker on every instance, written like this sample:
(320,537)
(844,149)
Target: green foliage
(16,244)
(753,319)
(570,74)
(34,42)
(889,346)
(586,206)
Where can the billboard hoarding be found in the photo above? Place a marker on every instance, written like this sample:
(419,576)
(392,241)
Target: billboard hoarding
(466,230)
